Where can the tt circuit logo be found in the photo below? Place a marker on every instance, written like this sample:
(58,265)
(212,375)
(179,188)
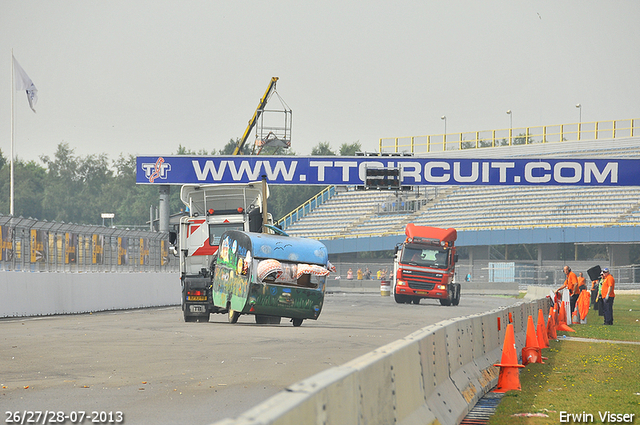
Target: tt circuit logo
(157,170)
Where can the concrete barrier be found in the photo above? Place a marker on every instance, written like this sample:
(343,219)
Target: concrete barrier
(537,292)
(432,376)
(41,294)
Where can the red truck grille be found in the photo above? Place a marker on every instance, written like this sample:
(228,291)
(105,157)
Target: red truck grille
(420,285)
(420,279)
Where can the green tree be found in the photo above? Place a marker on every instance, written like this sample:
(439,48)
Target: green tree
(182,150)
(350,149)
(129,201)
(322,149)
(231,146)
(29,181)
(73,189)
(62,191)
(522,139)
(94,173)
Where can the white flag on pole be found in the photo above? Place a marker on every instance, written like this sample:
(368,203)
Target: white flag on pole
(23,82)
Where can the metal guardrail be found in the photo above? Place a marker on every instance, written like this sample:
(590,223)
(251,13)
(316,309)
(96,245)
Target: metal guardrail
(307,207)
(30,245)
(524,273)
(512,136)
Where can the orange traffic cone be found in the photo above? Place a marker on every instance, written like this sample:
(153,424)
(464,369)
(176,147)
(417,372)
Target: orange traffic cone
(551,325)
(541,331)
(562,320)
(509,378)
(531,350)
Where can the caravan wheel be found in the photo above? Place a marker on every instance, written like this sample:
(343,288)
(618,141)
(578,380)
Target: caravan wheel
(233,316)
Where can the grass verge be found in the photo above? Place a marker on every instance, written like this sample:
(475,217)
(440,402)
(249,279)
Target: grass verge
(582,377)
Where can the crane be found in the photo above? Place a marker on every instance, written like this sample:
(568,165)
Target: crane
(256,115)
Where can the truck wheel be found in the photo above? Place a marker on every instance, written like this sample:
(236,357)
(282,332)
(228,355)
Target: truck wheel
(450,297)
(262,320)
(297,322)
(456,299)
(416,300)
(275,320)
(233,316)
(187,317)
(400,299)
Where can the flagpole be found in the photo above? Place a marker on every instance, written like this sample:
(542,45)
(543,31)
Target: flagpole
(11,210)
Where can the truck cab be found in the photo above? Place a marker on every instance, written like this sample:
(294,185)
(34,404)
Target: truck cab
(213,210)
(424,266)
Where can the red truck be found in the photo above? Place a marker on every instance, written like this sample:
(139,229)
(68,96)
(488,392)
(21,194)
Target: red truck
(424,266)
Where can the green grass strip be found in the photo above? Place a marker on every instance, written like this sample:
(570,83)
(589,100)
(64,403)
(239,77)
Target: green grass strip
(586,379)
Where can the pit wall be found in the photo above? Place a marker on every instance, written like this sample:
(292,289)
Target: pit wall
(433,376)
(40,294)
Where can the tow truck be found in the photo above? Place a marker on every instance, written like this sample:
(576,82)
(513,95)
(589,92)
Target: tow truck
(213,210)
(217,208)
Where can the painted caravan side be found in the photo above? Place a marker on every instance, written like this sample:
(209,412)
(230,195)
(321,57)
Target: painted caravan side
(270,277)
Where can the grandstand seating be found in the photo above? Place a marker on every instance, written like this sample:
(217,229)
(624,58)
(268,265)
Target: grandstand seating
(363,213)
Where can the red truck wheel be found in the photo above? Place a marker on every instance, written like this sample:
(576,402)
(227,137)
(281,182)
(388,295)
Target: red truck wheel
(456,298)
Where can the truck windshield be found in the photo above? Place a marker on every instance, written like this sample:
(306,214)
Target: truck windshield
(216,230)
(429,257)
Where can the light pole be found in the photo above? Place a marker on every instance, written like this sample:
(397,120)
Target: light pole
(510,126)
(444,135)
(579,106)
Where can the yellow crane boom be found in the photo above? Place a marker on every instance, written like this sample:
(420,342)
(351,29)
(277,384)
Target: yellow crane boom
(256,115)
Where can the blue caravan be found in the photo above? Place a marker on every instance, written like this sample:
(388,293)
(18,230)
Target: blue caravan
(270,276)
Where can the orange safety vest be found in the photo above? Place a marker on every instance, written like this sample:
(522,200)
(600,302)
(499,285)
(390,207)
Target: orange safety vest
(609,282)
(581,281)
(571,282)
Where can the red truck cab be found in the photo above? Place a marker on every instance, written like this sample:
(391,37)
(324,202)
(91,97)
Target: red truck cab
(424,266)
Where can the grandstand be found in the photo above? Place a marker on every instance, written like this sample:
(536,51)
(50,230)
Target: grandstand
(350,213)
(354,213)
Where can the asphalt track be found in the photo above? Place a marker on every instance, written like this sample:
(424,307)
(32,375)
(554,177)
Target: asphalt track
(155,368)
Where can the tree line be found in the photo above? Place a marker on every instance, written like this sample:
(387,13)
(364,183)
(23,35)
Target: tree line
(77,189)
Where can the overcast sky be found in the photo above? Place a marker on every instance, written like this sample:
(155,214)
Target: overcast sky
(142,77)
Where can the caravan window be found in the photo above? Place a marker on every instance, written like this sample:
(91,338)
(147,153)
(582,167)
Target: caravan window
(285,273)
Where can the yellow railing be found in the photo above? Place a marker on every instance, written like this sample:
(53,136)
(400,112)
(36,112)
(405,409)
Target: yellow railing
(478,228)
(513,136)
(307,207)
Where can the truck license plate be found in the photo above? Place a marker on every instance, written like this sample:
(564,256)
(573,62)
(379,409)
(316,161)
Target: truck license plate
(196,297)
(422,292)
(196,308)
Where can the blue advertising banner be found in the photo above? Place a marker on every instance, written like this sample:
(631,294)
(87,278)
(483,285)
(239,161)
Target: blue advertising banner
(335,170)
